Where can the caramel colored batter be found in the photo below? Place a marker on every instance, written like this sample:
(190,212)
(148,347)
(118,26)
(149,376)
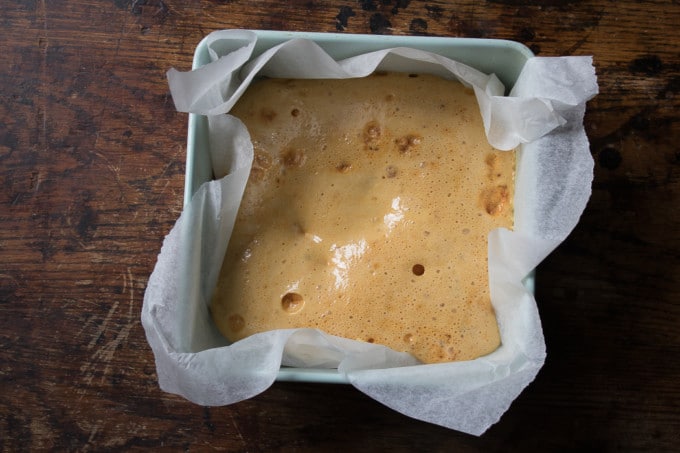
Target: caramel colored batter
(366,215)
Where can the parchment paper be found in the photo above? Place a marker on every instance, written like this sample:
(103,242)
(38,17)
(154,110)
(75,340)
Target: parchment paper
(544,113)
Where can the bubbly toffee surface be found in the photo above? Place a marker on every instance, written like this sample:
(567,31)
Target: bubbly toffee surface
(366,215)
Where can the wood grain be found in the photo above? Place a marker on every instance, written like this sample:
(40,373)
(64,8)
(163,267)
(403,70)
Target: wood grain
(91,175)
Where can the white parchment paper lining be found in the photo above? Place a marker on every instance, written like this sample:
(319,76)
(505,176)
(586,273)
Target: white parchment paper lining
(543,113)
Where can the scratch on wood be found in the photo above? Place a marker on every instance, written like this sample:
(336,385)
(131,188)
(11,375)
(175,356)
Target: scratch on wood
(85,326)
(577,45)
(94,429)
(132,292)
(41,432)
(171,161)
(93,433)
(161,178)
(105,354)
(114,169)
(238,431)
(36,180)
(102,327)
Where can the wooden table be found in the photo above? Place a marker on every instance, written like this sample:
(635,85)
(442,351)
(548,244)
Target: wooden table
(92,158)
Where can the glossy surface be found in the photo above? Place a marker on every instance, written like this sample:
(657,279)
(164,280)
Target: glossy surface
(366,215)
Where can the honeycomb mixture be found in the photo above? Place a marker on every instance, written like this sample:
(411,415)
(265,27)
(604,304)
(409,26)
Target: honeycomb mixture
(366,215)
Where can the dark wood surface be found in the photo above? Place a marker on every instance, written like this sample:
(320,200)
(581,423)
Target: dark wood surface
(91,178)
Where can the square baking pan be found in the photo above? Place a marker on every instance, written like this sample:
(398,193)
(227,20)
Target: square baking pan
(503,58)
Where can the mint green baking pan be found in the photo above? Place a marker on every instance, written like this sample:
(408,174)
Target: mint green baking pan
(503,58)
